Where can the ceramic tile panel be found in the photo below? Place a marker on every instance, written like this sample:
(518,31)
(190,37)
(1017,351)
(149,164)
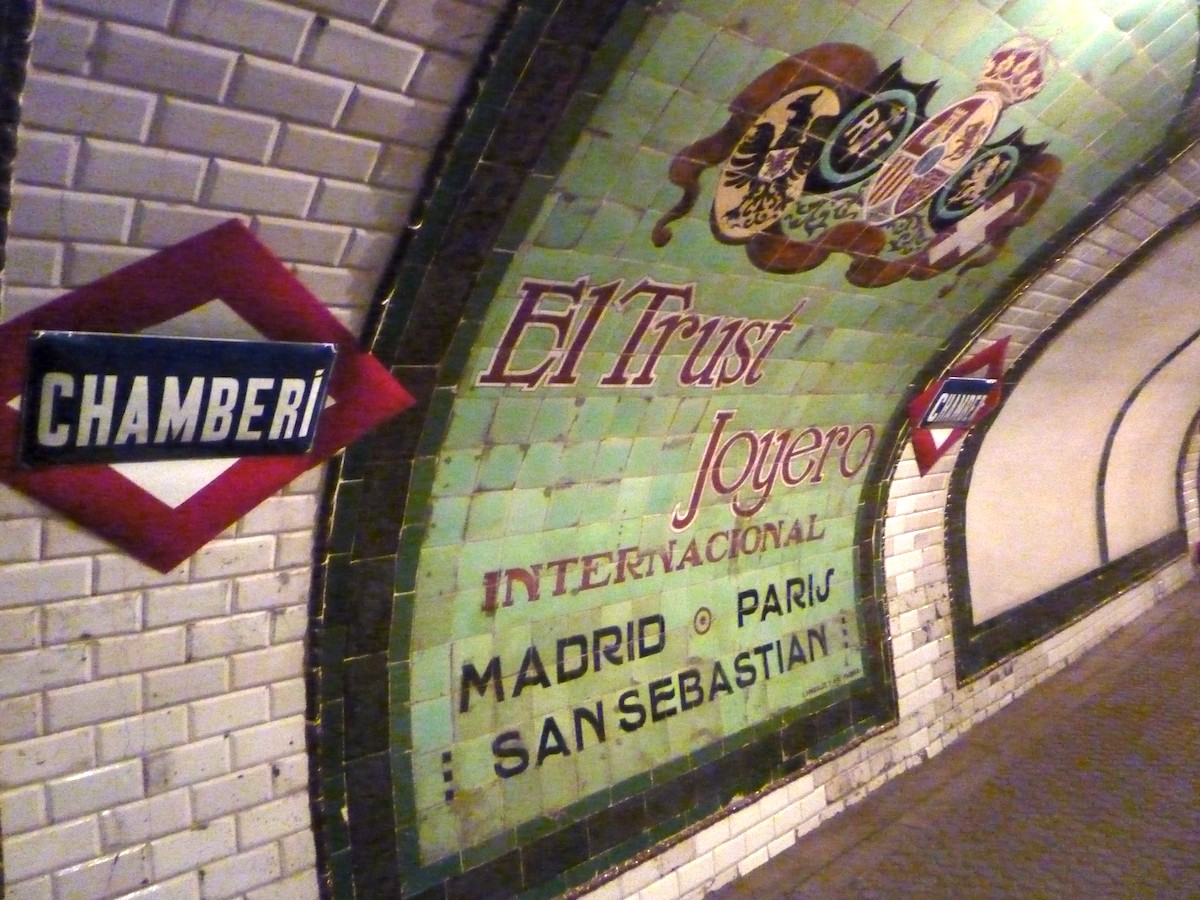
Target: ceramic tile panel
(681,272)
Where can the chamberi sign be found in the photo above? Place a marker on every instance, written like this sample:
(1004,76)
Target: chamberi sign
(128,398)
(259,411)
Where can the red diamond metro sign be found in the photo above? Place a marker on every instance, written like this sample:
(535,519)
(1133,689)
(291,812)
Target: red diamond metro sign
(941,415)
(220,284)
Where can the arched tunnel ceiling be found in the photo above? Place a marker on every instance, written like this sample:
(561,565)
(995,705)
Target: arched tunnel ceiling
(680,274)
(1079,466)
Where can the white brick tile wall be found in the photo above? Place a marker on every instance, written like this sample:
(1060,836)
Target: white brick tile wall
(258,189)
(337,286)
(129,738)
(299,887)
(50,212)
(290,774)
(34,889)
(145,124)
(228,712)
(63,42)
(94,702)
(362,55)
(369,249)
(442,24)
(105,876)
(78,106)
(133,170)
(20,718)
(18,629)
(95,790)
(288,698)
(357,204)
(290,92)
(268,29)
(221,559)
(164,224)
(192,681)
(326,153)
(46,158)
(221,637)
(188,764)
(214,130)
(87,262)
(288,624)
(152,14)
(65,538)
(33,262)
(232,876)
(136,823)
(117,572)
(264,743)
(38,582)
(188,850)
(302,241)
(365,12)
(271,821)
(22,673)
(50,848)
(230,793)
(286,587)
(441,78)
(401,166)
(266,666)
(144,58)
(380,114)
(24,809)
(281,513)
(185,887)
(148,650)
(308,482)
(297,852)
(176,604)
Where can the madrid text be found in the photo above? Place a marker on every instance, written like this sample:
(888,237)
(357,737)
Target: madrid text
(647,703)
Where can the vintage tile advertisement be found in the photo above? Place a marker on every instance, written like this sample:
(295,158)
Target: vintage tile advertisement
(642,527)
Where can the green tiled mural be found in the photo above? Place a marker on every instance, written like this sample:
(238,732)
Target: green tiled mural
(636,548)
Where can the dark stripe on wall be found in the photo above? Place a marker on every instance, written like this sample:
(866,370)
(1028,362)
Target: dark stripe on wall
(16,29)
(1101,516)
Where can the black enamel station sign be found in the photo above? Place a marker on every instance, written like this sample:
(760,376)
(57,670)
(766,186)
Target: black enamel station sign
(105,398)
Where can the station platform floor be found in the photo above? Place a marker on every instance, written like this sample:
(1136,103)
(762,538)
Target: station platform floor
(1088,786)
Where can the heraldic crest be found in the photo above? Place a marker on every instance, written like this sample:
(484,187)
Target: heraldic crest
(825,153)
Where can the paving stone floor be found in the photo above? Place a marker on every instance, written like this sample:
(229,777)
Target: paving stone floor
(1086,787)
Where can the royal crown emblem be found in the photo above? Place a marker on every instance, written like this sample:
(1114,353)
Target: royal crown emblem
(824,152)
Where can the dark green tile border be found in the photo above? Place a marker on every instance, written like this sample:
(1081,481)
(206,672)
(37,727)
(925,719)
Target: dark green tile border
(981,649)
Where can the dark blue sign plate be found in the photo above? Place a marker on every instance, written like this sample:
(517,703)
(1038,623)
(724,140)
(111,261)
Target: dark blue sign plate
(104,398)
(958,403)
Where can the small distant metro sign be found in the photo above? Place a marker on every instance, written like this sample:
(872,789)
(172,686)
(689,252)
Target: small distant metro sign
(210,342)
(942,414)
